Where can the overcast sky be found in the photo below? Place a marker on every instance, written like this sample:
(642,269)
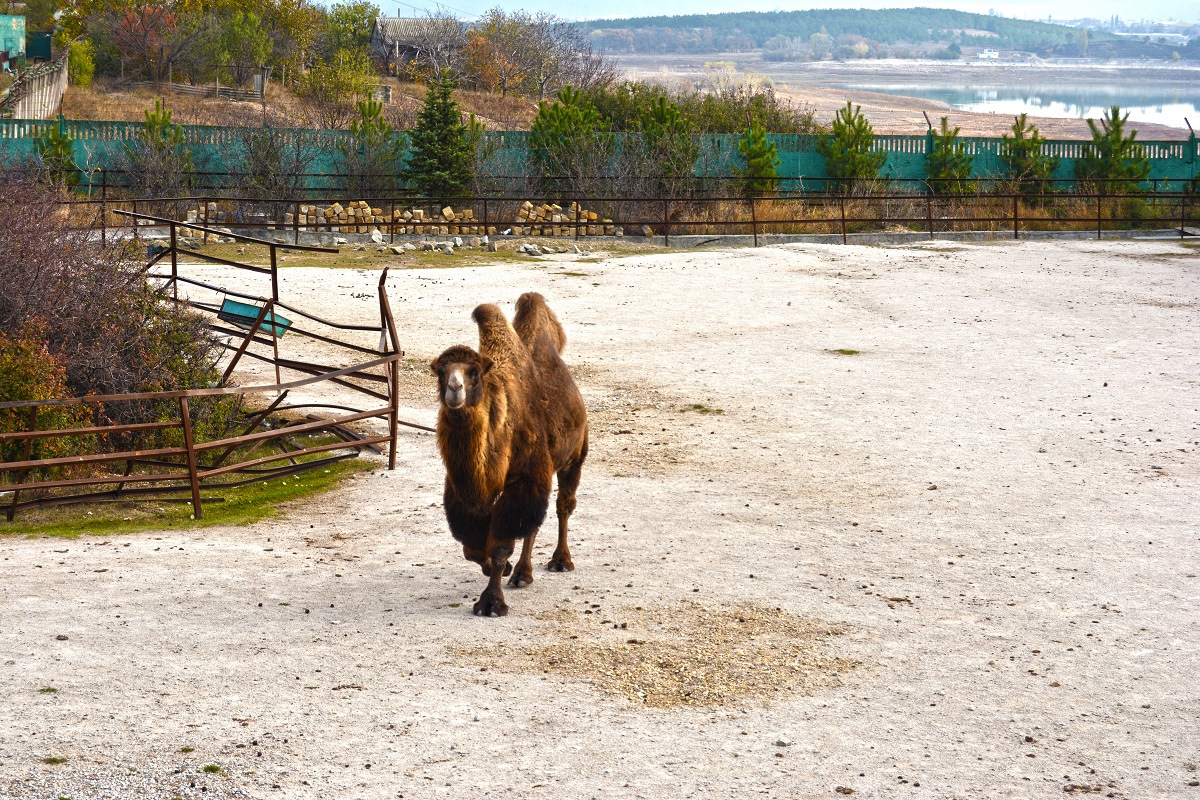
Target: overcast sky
(1025,9)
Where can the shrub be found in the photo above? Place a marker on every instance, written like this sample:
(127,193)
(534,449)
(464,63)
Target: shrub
(948,164)
(113,333)
(371,158)
(571,144)
(29,371)
(847,150)
(158,163)
(442,162)
(661,159)
(760,162)
(54,149)
(81,63)
(1027,166)
(330,90)
(1113,161)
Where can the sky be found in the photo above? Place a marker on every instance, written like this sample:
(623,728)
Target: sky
(1025,9)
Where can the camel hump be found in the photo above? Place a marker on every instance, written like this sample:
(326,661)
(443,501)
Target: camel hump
(497,339)
(534,317)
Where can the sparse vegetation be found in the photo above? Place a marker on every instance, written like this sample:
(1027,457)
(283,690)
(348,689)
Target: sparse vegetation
(847,150)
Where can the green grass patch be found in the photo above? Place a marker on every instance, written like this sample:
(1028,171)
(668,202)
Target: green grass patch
(211,769)
(573,274)
(47,690)
(186,749)
(52,760)
(845,351)
(700,408)
(243,505)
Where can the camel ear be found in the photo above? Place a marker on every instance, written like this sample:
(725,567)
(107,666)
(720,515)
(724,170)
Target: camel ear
(433,365)
(485,365)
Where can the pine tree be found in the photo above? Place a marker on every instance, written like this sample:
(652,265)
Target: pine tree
(372,156)
(441,164)
(1028,167)
(761,159)
(847,150)
(1114,160)
(948,164)
(58,159)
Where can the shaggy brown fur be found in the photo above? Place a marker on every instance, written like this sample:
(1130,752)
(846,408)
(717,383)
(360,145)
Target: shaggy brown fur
(511,417)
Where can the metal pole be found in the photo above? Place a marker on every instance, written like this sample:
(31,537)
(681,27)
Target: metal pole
(1016,212)
(666,226)
(485,218)
(1098,196)
(929,212)
(842,202)
(174,266)
(296,224)
(274,276)
(103,208)
(190,445)
(754,220)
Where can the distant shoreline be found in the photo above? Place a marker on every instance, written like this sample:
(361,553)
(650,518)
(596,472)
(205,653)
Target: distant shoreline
(827,85)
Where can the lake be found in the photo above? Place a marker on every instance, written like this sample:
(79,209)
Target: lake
(1165,106)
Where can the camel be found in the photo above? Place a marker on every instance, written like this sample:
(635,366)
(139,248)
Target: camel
(510,418)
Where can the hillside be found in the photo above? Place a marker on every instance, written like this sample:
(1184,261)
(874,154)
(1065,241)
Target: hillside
(740,31)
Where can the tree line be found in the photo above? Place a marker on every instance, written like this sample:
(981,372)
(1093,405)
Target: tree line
(749,30)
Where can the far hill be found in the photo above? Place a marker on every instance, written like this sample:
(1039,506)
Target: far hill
(748,30)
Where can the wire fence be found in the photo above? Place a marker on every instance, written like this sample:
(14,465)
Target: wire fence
(323,217)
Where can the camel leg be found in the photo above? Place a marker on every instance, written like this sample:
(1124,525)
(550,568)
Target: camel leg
(523,574)
(492,600)
(568,482)
(518,514)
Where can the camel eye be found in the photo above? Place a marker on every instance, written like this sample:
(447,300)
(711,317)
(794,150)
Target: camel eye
(473,372)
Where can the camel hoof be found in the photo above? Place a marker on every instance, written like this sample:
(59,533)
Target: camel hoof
(490,605)
(521,578)
(558,564)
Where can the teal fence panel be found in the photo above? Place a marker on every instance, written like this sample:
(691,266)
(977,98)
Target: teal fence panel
(99,145)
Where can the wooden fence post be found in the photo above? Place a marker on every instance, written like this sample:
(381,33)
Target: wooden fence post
(190,444)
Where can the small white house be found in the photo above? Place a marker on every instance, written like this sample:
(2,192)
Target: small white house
(989,53)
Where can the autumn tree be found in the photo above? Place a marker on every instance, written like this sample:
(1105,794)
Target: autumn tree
(496,51)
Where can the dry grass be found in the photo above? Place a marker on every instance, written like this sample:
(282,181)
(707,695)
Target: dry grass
(684,655)
(106,100)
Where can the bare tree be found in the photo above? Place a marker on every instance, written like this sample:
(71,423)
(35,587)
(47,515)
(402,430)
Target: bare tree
(558,54)
(439,42)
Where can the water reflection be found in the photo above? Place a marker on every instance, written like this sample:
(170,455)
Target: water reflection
(1165,106)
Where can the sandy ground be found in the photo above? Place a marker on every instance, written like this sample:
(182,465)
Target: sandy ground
(991,508)
(827,85)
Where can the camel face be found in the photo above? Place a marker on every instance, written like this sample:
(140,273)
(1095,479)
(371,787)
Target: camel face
(460,372)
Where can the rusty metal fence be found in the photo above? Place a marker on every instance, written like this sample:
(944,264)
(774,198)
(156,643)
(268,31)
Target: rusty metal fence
(928,212)
(268,444)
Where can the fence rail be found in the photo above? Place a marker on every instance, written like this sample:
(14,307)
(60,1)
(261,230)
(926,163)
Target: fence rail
(396,217)
(228,461)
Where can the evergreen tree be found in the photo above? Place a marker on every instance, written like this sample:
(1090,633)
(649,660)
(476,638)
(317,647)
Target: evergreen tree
(761,160)
(1028,167)
(571,145)
(670,147)
(441,164)
(1114,160)
(58,159)
(948,164)
(847,150)
(372,156)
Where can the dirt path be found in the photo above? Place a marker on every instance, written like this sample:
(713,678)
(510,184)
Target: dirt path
(979,532)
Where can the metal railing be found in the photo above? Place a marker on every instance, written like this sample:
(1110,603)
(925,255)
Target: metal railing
(229,460)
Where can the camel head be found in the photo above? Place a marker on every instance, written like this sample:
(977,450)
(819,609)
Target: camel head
(460,372)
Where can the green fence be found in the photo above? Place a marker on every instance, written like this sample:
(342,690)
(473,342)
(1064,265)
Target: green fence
(98,145)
